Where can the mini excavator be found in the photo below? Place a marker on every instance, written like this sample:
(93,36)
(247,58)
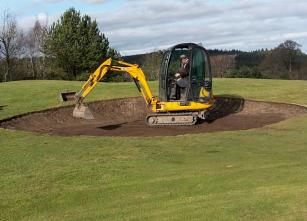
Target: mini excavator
(186,108)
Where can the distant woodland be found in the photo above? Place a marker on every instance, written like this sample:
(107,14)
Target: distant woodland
(73,47)
(285,61)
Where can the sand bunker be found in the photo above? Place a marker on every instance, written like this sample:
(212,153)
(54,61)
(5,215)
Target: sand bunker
(125,117)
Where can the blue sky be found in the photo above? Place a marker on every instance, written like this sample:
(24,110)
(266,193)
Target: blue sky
(137,26)
(28,8)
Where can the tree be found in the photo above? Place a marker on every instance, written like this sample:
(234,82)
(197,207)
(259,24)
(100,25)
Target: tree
(222,63)
(9,42)
(244,72)
(284,61)
(76,44)
(34,43)
(272,66)
(151,64)
(32,47)
(288,52)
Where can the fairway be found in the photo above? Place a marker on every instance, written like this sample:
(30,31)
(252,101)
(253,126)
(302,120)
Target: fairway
(256,174)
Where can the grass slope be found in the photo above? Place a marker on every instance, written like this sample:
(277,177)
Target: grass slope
(244,175)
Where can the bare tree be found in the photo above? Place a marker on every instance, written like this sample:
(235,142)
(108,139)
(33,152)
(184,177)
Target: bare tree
(32,47)
(34,43)
(151,64)
(42,33)
(220,64)
(9,42)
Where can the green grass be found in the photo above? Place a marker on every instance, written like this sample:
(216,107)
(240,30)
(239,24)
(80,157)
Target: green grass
(256,174)
(23,96)
(268,90)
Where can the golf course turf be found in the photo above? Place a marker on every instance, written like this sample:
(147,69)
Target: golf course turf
(256,174)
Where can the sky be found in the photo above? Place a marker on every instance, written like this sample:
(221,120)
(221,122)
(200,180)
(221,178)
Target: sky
(139,26)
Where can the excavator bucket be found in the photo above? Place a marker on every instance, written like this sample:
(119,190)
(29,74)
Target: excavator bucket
(67,96)
(82,111)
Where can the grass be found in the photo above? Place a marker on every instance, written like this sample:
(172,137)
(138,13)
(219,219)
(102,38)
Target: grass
(255,174)
(25,96)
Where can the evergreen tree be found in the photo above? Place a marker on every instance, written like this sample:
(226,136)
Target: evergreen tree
(76,44)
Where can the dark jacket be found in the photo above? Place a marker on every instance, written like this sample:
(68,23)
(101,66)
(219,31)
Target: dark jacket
(184,71)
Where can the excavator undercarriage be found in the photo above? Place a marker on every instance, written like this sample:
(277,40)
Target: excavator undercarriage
(175,119)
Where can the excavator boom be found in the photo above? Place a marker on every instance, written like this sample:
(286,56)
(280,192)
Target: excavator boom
(81,111)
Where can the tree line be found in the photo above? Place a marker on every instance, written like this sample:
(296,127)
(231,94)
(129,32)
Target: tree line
(285,61)
(73,47)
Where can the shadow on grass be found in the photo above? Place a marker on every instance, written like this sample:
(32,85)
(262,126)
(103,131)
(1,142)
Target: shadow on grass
(2,107)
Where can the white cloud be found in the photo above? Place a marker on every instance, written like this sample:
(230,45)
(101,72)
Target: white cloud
(45,19)
(246,25)
(141,26)
(42,17)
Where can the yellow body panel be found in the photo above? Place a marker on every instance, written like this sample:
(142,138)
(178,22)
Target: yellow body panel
(181,106)
(140,79)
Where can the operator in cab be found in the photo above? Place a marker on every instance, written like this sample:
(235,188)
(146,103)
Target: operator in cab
(181,79)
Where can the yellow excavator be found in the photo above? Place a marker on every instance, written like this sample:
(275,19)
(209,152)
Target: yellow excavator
(177,104)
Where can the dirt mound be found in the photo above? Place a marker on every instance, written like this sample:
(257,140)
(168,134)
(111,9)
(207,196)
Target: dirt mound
(125,117)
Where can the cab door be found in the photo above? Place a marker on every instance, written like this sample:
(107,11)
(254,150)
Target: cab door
(163,77)
(200,74)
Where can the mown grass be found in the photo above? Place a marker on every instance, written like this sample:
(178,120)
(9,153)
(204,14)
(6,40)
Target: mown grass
(242,175)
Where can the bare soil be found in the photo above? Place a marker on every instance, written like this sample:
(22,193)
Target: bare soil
(125,117)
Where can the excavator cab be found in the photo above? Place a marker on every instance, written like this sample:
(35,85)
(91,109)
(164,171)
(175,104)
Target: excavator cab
(199,79)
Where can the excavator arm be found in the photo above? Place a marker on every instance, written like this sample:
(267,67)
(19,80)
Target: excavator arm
(112,66)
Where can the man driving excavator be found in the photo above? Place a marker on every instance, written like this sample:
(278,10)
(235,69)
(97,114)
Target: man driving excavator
(181,79)
(163,111)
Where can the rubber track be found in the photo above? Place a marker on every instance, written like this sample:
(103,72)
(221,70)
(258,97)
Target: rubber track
(172,114)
